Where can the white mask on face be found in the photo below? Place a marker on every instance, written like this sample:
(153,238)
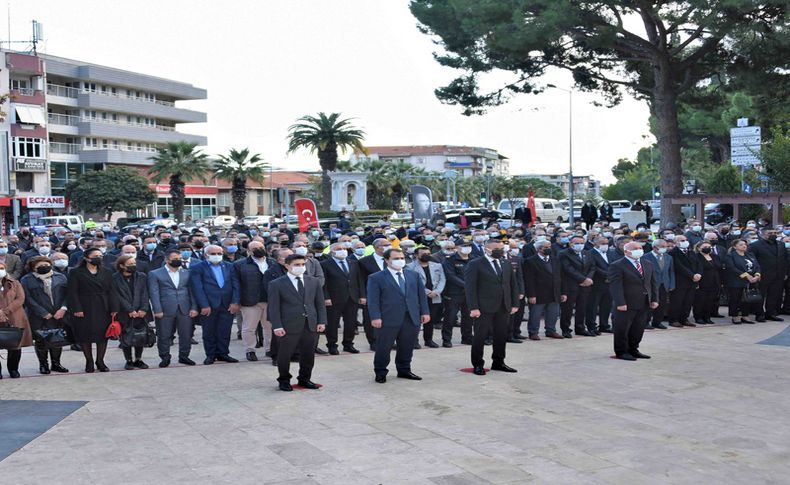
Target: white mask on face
(215,258)
(683,244)
(398,264)
(341,254)
(662,250)
(466,250)
(298,270)
(301,251)
(2,274)
(71,247)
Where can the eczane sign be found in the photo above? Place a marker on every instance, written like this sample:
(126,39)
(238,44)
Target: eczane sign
(47,202)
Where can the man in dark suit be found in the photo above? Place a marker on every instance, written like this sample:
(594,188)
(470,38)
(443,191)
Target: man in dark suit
(687,276)
(523,214)
(773,269)
(398,306)
(665,280)
(276,270)
(173,306)
(492,296)
(479,239)
(454,296)
(633,287)
(298,315)
(516,262)
(577,281)
(600,303)
(369,265)
(543,286)
(589,214)
(218,296)
(342,295)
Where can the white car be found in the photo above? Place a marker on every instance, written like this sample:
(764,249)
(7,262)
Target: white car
(256,220)
(223,221)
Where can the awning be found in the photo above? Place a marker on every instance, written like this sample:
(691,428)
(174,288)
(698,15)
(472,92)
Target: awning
(30,115)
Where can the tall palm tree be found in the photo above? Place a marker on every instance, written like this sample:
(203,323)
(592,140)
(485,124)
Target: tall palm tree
(400,177)
(179,162)
(325,134)
(236,167)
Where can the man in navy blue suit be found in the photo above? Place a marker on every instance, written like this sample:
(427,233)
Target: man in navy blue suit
(217,295)
(398,307)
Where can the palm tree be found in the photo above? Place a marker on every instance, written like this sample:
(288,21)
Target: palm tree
(236,167)
(325,134)
(180,162)
(402,175)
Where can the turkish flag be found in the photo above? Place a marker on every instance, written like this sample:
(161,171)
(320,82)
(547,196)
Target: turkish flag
(531,207)
(308,214)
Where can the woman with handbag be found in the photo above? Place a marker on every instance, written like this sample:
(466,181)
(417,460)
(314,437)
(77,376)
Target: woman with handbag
(89,299)
(45,303)
(742,273)
(12,314)
(130,289)
(706,298)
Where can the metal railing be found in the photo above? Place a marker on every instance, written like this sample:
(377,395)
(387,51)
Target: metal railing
(61,119)
(24,91)
(110,121)
(69,148)
(119,147)
(62,91)
(70,92)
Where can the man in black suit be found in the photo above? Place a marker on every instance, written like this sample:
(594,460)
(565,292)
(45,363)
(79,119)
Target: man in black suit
(478,244)
(634,291)
(600,303)
(523,214)
(342,294)
(577,281)
(368,265)
(543,285)
(298,315)
(454,296)
(492,296)
(516,262)
(276,270)
(589,214)
(773,269)
(151,254)
(687,276)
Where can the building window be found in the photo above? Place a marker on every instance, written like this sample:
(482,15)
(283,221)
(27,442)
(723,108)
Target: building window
(24,147)
(223,199)
(24,182)
(259,198)
(19,84)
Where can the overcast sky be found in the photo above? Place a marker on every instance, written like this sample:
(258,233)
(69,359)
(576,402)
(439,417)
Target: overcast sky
(265,63)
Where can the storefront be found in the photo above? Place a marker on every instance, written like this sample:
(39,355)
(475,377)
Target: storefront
(26,211)
(200,202)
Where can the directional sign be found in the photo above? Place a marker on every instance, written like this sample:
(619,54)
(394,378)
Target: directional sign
(745,145)
(747,188)
(745,131)
(746,150)
(745,141)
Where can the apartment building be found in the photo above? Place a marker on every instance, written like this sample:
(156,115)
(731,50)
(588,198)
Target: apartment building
(467,161)
(583,185)
(66,117)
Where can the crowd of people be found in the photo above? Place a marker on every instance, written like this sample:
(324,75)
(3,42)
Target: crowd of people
(389,285)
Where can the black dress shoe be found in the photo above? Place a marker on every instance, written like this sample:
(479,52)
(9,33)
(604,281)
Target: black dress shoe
(102,367)
(447,344)
(89,368)
(320,351)
(660,326)
(512,340)
(583,333)
(626,357)
(209,361)
(333,351)
(717,316)
(186,361)
(381,379)
(466,342)
(640,355)
(227,358)
(700,321)
(567,335)
(409,375)
(140,364)
(14,374)
(44,369)
(129,365)
(286,386)
(350,349)
(774,318)
(56,367)
(479,371)
(432,344)
(417,346)
(607,330)
(308,384)
(760,319)
(709,321)
(165,362)
(503,368)
(252,357)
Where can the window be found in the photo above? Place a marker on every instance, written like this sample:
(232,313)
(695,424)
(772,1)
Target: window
(105,143)
(259,198)
(223,199)
(19,84)
(24,182)
(24,147)
(91,142)
(90,87)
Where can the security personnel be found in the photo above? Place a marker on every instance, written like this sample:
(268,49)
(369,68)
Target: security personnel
(454,297)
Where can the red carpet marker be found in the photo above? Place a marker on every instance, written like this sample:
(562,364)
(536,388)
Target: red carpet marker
(471,369)
(300,388)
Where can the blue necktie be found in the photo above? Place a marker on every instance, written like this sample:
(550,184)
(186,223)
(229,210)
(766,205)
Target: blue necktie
(401,284)
(343,266)
(220,276)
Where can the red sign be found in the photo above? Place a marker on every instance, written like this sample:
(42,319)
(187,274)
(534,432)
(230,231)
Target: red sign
(308,214)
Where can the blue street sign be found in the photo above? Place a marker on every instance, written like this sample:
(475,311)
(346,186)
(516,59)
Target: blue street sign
(747,188)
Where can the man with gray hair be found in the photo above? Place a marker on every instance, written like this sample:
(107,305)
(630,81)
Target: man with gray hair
(367,266)
(665,280)
(543,284)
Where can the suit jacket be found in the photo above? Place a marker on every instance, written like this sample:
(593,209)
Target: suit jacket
(685,268)
(314,269)
(125,300)
(368,266)
(207,292)
(437,278)
(477,252)
(523,214)
(13,266)
(517,265)
(543,280)
(386,302)
(275,271)
(37,303)
(601,266)
(154,261)
(250,281)
(485,290)
(664,277)
(589,213)
(771,256)
(454,271)
(339,286)
(736,266)
(166,298)
(630,288)
(576,267)
(287,309)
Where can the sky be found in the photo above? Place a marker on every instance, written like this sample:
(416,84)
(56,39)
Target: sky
(266,63)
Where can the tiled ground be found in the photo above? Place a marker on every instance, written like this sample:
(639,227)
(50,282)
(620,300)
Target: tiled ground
(710,407)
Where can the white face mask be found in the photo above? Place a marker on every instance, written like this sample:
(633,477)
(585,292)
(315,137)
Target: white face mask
(60,263)
(44,250)
(298,270)
(466,250)
(398,264)
(341,254)
(662,250)
(71,247)
(603,248)
(480,239)
(514,251)
(301,251)
(215,258)
(683,244)
(637,253)
(2,274)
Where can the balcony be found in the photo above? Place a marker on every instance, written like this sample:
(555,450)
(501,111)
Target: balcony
(24,63)
(117,156)
(138,106)
(64,148)
(62,91)
(27,96)
(60,119)
(107,128)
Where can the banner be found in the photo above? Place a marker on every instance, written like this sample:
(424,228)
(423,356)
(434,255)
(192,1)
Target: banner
(307,213)
(531,207)
(422,202)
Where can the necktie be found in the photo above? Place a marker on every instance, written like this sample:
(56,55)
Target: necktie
(401,284)
(661,261)
(220,277)
(639,268)
(498,268)
(300,287)
(344,267)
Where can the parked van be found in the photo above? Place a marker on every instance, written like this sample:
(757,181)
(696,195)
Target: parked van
(547,209)
(618,207)
(74,223)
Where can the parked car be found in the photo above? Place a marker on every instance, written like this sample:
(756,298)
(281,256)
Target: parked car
(74,223)
(547,209)
(256,220)
(716,213)
(223,221)
(655,206)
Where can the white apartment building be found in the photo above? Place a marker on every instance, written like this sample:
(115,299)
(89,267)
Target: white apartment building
(583,185)
(467,161)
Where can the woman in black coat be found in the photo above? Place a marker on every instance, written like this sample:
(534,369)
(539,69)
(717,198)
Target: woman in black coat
(741,271)
(130,291)
(706,298)
(45,304)
(90,303)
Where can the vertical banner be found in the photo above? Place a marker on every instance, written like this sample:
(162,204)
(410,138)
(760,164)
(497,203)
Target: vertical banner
(422,202)
(531,207)
(307,213)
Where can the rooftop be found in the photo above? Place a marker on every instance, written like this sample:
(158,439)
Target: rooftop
(410,150)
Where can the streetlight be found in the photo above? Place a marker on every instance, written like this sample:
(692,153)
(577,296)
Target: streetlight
(570,150)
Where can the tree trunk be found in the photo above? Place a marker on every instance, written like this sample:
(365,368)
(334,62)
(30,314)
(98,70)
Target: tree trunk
(177,197)
(239,196)
(327,158)
(665,109)
(326,190)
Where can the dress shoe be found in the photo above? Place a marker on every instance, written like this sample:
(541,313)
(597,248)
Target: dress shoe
(700,321)
(333,351)
(320,351)
(417,346)
(535,336)
(227,358)
(252,357)
(479,371)
(308,384)
(744,320)
(607,330)
(89,368)
(512,340)
(409,375)
(268,354)
(709,321)
(676,325)
(583,333)
(13,374)
(209,361)
(466,341)
(774,318)
(56,367)
(129,365)
(431,344)
(193,341)
(660,326)
(186,361)
(626,357)
(140,364)
(165,362)
(567,335)
(286,386)
(44,369)
(447,344)
(76,347)
(102,367)
(689,324)
(760,319)
(503,368)
(488,341)
(350,349)
(640,355)
(381,379)
(554,335)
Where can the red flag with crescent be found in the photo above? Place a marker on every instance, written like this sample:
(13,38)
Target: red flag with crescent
(531,207)
(308,214)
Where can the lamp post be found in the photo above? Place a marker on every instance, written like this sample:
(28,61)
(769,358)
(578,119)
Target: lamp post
(570,151)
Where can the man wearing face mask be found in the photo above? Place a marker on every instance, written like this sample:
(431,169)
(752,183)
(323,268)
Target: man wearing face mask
(13,265)
(432,276)
(633,287)
(543,286)
(248,273)
(369,265)
(298,315)
(409,248)
(342,295)
(664,269)
(230,247)
(694,233)
(357,250)
(454,296)
(492,296)
(687,276)
(151,254)
(479,239)
(600,302)
(577,280)
(771,256)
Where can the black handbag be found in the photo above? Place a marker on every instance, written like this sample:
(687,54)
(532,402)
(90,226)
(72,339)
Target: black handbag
(138,334)
(53,338)
(752,295)
(11,337)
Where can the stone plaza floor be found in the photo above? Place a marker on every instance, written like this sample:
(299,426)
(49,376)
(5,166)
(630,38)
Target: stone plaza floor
(711,407)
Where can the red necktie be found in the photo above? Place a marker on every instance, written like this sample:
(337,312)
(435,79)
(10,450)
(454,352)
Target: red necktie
(639,268)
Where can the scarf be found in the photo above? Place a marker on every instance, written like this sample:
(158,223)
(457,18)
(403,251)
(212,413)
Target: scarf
(46,279)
